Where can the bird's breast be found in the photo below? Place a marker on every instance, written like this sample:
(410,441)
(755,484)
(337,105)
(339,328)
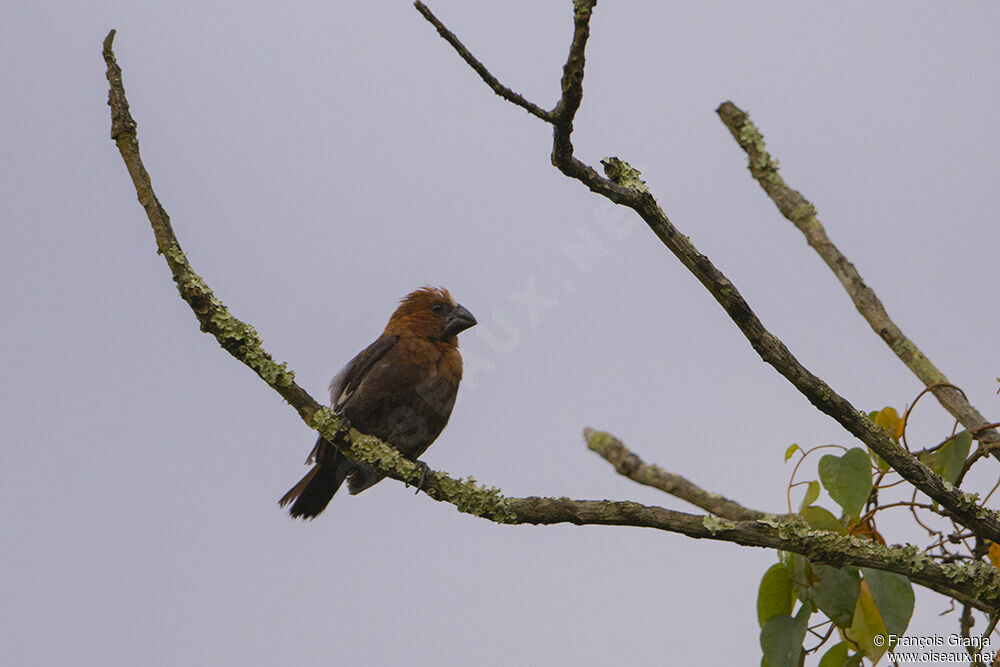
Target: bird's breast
(407,397)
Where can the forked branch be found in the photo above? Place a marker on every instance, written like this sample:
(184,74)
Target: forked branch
(622,185)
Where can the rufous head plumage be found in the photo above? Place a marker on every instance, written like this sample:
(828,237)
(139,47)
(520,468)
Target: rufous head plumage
(431,313)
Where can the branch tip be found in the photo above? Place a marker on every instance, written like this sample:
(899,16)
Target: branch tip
(801,213)
(628,464)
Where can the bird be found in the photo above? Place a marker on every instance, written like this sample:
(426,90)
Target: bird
(400,389)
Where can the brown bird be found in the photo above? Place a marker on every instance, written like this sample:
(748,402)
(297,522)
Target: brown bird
(400,389)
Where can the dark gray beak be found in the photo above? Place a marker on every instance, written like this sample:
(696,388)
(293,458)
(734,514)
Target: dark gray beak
(458,320)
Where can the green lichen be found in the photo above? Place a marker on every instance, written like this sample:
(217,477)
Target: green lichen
(982,578)
(802,212)
(243,341)
(174,253)
(471,498)
(762,165)
(624,174)
(237,337)
(715,525)
(467,496)
(651,475)
(325,421)
(598,441)
(772,521)
(374,452)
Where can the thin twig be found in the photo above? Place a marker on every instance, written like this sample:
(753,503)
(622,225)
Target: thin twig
(965,623)
(906,413)
(795,470)
(490,80)
(971,461)
(990,627)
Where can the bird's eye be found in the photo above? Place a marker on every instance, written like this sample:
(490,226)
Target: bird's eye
(437,308)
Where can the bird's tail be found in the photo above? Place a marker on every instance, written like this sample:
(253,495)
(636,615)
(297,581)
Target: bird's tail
(314,491)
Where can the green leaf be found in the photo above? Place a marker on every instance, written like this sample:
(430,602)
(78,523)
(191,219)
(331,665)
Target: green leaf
(774,598)
(820,518)
(836,592)
(812,493)
(880,419)
(948,460)
(867,624)
(781,639)
(848,479)
(893,594)
(836,656)
(878,461)
(800,573)
(790,451)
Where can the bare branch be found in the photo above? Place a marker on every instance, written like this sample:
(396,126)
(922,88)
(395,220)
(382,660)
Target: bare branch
(630,465)
(491,81)
(802,214)
(623,186)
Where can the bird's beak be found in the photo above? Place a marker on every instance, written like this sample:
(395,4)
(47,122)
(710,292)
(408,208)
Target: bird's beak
(459,320)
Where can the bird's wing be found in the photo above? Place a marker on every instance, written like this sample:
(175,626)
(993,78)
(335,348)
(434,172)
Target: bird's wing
(350,376)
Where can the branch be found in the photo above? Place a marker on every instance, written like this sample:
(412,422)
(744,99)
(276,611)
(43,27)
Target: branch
(630,465)
(490,80)
(623,186)
(237,337)
(802,214)
(971,583)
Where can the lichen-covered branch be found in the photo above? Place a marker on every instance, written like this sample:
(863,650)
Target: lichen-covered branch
(623,185)
(801,213)
(237,337)
(242,341)
(630,465)
(973,583)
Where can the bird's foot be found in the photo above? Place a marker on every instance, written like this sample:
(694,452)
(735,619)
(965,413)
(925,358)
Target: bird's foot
(424,469)
(343,428)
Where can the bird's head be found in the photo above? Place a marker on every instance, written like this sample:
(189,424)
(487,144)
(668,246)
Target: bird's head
(432,313)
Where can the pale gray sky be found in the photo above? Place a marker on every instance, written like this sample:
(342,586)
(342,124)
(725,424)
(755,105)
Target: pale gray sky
(320,160)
